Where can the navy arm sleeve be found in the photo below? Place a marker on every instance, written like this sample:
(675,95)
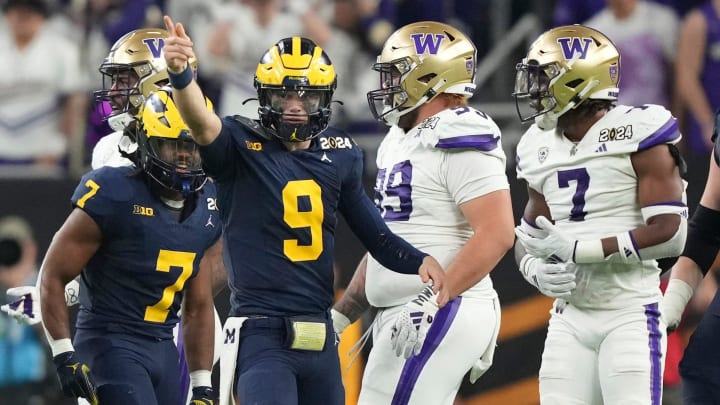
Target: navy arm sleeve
(366,223)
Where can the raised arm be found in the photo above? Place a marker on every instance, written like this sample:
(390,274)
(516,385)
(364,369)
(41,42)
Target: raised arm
(204,124)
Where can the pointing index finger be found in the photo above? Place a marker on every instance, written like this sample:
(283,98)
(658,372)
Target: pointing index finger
(169,25)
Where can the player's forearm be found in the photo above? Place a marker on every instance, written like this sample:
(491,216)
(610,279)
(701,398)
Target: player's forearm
(204,125)
(354,301)
(390,250)
(213,263)
(198,326)
(688,271)
(54,309)
(475,261)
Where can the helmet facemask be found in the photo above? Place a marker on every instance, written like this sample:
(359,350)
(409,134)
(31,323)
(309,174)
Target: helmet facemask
(294,113)
(173,163)
(121,93)
(387,102)
(295,81)
(532,88)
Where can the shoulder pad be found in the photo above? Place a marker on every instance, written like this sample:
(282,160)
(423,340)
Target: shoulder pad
(461,128)
(252,125)
(107,184)
(632,129)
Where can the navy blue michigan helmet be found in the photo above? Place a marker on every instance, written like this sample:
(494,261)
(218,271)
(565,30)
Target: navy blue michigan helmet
(295,64)
(166,151)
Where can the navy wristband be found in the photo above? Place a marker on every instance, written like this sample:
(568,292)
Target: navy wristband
(181,80)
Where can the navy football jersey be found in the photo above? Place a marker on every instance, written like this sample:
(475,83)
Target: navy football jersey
(279,212)
(134,282)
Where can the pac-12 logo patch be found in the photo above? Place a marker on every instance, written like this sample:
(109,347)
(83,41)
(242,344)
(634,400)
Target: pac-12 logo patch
(543,154)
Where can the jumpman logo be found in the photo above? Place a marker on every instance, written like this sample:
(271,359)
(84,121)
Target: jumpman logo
(324,158)
(209,222)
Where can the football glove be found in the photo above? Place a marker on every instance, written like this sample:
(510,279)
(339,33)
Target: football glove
(413,322)
(25,309)
(556,280)
(557,246)
(203,396)
(75,377)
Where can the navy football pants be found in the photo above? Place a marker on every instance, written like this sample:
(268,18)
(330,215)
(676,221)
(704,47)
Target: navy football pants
(269,373)
(700,366)
(131,369)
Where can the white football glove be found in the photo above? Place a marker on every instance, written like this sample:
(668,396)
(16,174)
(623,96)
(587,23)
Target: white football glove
(25,309)
(557,246)
(72,293)
(413,322)
(556,280)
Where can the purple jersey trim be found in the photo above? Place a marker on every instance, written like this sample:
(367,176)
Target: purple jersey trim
(668,133)
(483,142)
(415,364)
(654,344)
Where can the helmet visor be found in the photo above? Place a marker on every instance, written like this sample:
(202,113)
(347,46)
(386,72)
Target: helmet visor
(295,104)
(180,154)
(533,95)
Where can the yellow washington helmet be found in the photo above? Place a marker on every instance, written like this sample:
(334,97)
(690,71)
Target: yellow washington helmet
(166,150)
(564,67)
(134,67)
(418,62)
(296,65)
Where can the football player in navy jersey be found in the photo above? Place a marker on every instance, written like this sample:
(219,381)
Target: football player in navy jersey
(282,180)
(137,236)
(700,365)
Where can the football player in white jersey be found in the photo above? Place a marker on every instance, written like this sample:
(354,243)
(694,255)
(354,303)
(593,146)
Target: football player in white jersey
(605,201)
(441,184)
(134,68)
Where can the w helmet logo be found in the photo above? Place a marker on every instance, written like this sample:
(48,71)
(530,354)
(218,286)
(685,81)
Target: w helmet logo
(572,46)
(155,45)
(427,43)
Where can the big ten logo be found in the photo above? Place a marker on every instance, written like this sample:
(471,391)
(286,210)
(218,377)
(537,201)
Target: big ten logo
(616,134)
(145,211)
(335,142)
(212,204)
(257,146)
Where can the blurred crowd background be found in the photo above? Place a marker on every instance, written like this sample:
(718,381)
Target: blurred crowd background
(49,122)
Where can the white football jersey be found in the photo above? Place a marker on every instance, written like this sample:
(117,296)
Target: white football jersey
(423,177)
(106,152)
(591,190)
